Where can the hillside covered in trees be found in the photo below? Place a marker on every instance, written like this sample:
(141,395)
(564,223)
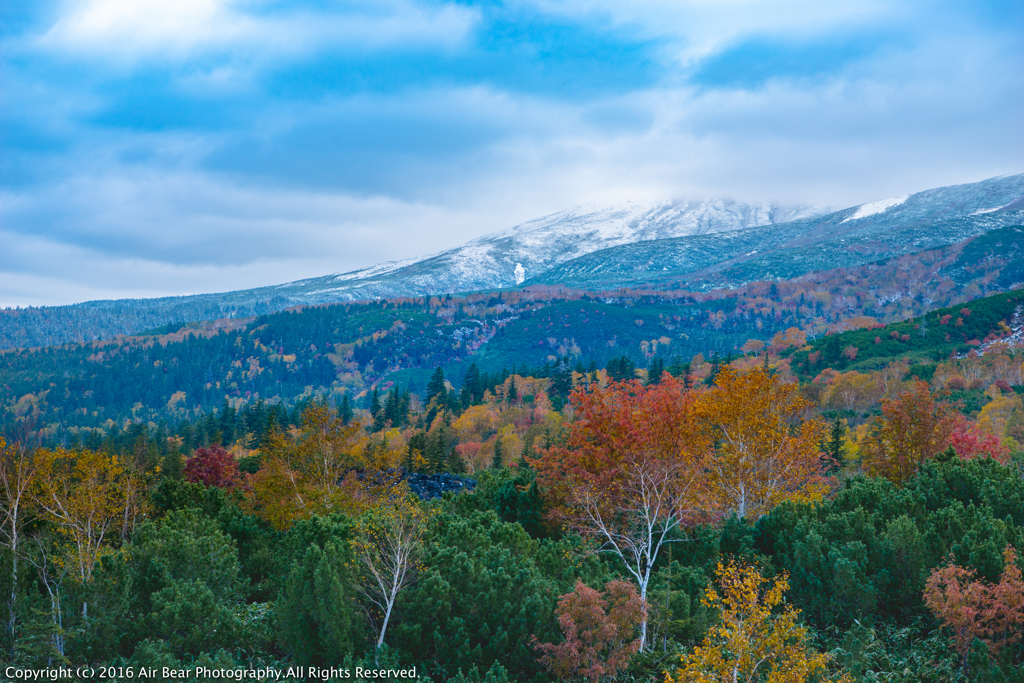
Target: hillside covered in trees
(184,371)
(798,480)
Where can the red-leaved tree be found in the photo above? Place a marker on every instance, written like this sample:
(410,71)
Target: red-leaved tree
(631,471)
(212,466)
(971,609)
(599,632)
(969,442)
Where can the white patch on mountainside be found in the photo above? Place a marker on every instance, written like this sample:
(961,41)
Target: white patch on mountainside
(379,269)
(710,230)
(872,208)
(502,258)
(999,208)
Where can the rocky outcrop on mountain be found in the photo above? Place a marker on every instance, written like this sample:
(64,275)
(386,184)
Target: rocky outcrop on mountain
(431,486)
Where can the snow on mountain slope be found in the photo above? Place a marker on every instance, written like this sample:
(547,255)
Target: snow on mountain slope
(872,208)
(531,248)
(712,242)
(869,232)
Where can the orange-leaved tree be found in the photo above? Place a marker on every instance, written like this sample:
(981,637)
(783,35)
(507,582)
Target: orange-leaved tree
(754,639)
(912,428)
(971,609)
(766,447)
(599,632)
(631,471)
(309,472)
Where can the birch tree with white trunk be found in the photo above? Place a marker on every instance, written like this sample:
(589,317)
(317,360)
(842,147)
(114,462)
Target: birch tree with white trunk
(388,543)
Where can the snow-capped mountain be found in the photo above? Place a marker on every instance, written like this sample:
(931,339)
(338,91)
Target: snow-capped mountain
(507,257)
(704,243)
(861,234)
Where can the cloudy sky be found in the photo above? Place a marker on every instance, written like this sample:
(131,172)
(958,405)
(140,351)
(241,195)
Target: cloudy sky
(150,147)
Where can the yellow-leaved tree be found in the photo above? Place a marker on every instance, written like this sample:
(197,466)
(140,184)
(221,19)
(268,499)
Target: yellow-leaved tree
(767,449)
(388,542)
(754,641)
(91,498)
(17,477)
(310,471)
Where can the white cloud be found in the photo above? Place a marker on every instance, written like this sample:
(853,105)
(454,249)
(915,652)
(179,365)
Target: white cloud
(699,28)
(306,187)
(131,30)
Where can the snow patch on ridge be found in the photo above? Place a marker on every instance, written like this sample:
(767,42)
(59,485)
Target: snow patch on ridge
(872,208)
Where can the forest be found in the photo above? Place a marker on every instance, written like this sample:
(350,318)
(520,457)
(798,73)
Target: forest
(711,521)
(181,373)
(484,488)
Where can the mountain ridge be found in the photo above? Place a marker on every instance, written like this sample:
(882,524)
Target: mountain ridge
(487,262)
(700,244)
(848,237)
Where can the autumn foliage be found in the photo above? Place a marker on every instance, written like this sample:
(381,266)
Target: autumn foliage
(311,471)
(631,471)
(969,441)
(767,447)
(599,632)
(624,438)
(92,498)
(913,427)
(754,640)
(212,466)
(971,609)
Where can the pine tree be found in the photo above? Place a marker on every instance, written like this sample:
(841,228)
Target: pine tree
(455,464)
(496,462)
(172,464)
(227,424)
(621,368)
(472,383)
(655,371)
(417,446)
(513,393)
(436,387)
(835,447)
(379,418)
(374,402)
(437,451)
(345,410)
(522,463)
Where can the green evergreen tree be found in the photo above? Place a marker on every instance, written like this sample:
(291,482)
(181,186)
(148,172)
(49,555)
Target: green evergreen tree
(417,442)
(377,411)
(715,363)
(472,383)
(522,463)
(437,451)
(835,445)
(172,464)
(655,370)
(621,368)
(227,424)
(436,387)
(375,402)
(513,393)
(455,464)
(496,460)
(345,410)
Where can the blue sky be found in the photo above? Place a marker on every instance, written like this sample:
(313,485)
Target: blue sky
(151,147)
